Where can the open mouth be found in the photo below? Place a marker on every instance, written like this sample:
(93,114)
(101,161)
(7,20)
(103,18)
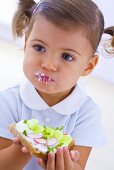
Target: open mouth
(44,78)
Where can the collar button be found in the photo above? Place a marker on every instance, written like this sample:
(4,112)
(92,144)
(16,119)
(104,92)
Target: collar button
(47,120)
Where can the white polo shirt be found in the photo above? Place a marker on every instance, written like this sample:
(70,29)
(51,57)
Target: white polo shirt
(79,115)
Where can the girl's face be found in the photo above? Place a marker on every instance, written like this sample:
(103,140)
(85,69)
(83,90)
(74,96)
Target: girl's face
(55,58)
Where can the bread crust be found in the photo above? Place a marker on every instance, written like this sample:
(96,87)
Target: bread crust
(28,145)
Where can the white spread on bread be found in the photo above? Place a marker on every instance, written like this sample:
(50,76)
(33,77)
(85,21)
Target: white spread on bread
(37,140)
(41,147)
(20,127)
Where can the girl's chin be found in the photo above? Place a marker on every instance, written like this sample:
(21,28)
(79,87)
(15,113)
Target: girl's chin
(46,90)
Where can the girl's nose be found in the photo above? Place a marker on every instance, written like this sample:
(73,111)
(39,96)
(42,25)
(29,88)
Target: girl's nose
(49,64)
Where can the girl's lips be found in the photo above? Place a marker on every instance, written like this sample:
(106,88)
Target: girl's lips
(44,78)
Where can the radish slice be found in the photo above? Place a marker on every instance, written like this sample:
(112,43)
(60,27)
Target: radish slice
(38,136)
(52,142)
(40,141)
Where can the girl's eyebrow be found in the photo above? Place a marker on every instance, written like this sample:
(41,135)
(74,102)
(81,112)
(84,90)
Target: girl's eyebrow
(68,49)
(75,51)
(39,41)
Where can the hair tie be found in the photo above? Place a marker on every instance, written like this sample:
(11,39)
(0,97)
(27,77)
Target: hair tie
(35,9)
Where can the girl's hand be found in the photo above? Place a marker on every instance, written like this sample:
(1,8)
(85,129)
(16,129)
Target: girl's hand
(17,142)
(65,160)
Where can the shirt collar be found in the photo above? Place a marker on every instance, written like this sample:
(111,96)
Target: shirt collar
(33,100)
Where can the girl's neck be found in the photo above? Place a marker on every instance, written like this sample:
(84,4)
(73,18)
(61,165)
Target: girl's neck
(53,98)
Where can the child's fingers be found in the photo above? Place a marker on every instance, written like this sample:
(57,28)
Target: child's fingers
(42,163)
(67,158)
(16,141)
(51,161)
(59,159)
(75,155)
(25,150)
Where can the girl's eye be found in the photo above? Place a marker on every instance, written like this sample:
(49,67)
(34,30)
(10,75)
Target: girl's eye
(67,57)
(39,48)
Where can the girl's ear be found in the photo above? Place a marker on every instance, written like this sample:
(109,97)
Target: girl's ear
(91,65)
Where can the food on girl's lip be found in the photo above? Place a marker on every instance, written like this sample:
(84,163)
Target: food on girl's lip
(44,78)
(40,140)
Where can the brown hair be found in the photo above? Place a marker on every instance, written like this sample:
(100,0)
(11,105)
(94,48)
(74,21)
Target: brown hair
(65,13)
(110,43)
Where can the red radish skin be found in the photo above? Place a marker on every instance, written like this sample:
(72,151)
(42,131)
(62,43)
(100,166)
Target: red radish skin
(40,141)
(38,136)
(52,142)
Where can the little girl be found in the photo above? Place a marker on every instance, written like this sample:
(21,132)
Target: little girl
(61,39)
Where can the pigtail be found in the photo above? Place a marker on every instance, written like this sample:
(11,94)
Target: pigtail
(22,17)
(110,44)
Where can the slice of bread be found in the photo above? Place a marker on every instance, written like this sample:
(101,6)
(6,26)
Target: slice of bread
(29,145)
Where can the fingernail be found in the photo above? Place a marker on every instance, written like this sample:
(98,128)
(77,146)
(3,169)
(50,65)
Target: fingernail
(59,149)
(65,148)
(24,150)
(52,154)
(74,155)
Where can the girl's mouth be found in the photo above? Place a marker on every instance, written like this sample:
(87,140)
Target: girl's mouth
(44,78)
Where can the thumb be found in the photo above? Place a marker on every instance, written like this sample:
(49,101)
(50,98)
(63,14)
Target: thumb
(75,155)
(42,163)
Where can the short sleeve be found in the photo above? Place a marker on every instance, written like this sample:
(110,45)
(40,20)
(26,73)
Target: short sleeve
(89,130)
(8,112)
